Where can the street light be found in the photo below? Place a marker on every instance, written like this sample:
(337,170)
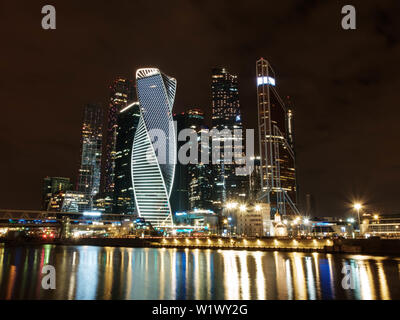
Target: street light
(243,207)
(358,206)
(258,207)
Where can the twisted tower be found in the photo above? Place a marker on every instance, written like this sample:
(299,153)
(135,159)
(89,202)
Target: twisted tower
(153,169)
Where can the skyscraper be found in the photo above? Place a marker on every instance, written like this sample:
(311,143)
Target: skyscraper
(51,187)
(278,173)
(226,115)
(128,119)
(120,93)
(192,186)
(152,176)
(91,150)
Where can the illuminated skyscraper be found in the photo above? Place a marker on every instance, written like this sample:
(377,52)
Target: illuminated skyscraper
(278,173)
(128,120)
(91,150)
(53,186)
(226,115)
(193,182)
(120,93)
(152,176)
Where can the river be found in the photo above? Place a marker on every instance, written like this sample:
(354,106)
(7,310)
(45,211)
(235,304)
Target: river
(89,272)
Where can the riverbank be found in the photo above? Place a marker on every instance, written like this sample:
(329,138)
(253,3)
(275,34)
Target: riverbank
(359,246)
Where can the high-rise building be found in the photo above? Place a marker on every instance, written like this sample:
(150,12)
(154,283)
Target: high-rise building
(128,119)
(228,185)
(91,150)
(180,194)
(121,91)
(153,174)
(52,186)
(75,201)
(192,186)
(278,173)
(310,205)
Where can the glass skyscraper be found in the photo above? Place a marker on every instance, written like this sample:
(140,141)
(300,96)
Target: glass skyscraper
(128,120)
(51,187)
(153,174)
(193,181)
(226,114)
(121,92)
(91,150)
(278,173)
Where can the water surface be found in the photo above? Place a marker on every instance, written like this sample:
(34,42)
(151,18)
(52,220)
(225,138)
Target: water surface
(88,272)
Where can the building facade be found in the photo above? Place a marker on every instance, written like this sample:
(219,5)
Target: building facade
(121,91)
(75,201)
(91,150)
(128,119)
(53,186)
(278,173)
(228,185)
(153,170)
(193,181)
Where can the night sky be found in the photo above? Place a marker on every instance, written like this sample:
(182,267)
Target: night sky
(344,83)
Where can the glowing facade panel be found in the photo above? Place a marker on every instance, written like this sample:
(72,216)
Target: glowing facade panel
(152,176)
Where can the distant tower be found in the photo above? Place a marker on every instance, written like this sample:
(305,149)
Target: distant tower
(278,173)
(128,120)
(120,93)
(310,205)
(152,179)
(91,150)
(226,115)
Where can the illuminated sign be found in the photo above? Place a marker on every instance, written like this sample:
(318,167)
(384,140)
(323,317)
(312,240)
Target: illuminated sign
(92,213)
(265,80)
(180,213)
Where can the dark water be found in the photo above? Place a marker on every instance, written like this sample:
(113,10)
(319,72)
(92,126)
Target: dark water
(85,272)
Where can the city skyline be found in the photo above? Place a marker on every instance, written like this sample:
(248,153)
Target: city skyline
(329,126)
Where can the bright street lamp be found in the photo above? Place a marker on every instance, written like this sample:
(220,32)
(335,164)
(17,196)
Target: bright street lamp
(243,207)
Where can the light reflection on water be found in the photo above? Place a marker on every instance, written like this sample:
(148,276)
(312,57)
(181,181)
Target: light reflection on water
(85,272)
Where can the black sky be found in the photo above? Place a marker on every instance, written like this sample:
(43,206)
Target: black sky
(344,84)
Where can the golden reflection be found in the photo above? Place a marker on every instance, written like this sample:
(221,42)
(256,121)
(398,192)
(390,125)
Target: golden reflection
(173,274)
(317,276)
(196,271)
(208,270)
(231,284)
(260,280)
(1,263)
(244,275)
(11,281)
(310,279)
(186,269)
(385,294)
(289,280)
(331,275)
(366,281)
(109,272)
(281,276)
(129,271)
(300,285)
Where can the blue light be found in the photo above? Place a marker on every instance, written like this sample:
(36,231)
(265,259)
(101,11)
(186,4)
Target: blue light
(180,213)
